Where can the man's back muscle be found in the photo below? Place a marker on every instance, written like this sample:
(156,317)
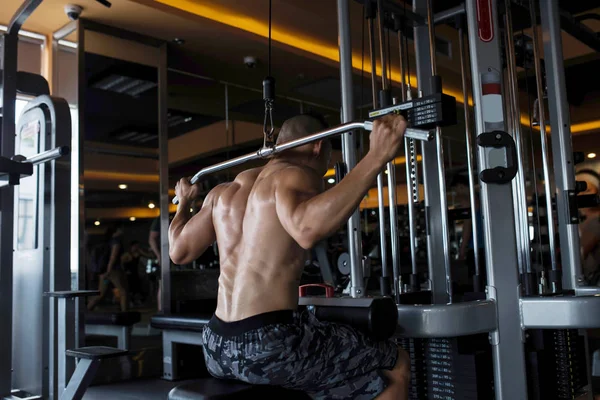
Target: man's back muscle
(260,262)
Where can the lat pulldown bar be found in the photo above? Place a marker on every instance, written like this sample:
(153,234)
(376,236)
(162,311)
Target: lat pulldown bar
(417,134)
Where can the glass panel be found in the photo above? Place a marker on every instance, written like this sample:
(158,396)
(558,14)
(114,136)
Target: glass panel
(27,189)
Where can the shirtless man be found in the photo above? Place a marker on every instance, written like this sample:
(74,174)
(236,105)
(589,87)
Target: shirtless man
(265,222)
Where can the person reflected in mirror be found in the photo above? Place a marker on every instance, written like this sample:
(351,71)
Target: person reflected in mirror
(107,257)
(131,266)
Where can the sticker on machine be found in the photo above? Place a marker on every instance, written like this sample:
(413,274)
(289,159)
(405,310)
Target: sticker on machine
(491,97)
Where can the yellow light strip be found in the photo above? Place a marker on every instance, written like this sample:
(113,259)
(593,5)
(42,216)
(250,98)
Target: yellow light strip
(310,45)
(257,27)
(398,161)
(119,176)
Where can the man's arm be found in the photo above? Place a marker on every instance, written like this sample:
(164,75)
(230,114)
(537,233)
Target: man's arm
(309,217)
(189,236)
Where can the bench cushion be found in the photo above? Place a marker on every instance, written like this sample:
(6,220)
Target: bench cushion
(96,352)
(193,323)
(212,388)
(126,318)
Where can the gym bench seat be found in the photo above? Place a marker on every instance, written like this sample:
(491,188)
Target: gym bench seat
(185,329)
(87,366)
(118,324)
(212,389)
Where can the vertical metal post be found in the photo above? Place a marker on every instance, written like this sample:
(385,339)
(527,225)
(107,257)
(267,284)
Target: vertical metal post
(62,378)
(163,168)
(519,183)
(7,149)
(469,147)
(391,166)
(357,287)
(496,205)
(77,155)
(543,137)
(412,181)
(562,148)
(433,176)
(380,196)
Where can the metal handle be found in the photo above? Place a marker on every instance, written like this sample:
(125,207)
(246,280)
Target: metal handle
(49,155)
(418,134)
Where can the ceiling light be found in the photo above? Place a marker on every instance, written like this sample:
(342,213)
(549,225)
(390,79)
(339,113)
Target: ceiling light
(591,155)
(330,180)
(132,219)
(151,205)
(97,223)
(386,171)
(179,41)
(122,186)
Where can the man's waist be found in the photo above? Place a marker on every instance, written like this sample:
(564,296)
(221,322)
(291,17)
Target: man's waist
(236,328)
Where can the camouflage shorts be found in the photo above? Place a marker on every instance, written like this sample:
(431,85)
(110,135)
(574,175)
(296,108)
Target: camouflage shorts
(297,351)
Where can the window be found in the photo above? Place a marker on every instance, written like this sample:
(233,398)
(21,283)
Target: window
(27,191)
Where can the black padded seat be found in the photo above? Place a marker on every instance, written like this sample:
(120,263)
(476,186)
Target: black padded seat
(126,318)
(194,323)
(96,352)
(213,389)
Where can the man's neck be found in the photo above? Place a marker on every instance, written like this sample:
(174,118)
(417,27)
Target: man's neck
(300,159)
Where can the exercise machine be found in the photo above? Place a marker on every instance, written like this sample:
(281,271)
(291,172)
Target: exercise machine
(508,338)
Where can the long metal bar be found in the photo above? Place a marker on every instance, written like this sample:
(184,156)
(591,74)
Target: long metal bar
(519,183)
(469,146)
(78,232)
(7,149)
(163,170)
(412,182)
(385,273)
(357,284)
(435,211)
(543,137)
(510,380)
(391,167)
(418,134)
(449,13)
(562,147)
(382,52)
(441,171)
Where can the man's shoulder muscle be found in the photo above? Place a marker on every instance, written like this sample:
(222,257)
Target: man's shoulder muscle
(298,177)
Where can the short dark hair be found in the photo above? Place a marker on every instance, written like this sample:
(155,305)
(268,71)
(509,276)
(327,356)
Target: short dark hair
(133,243)
(318,116)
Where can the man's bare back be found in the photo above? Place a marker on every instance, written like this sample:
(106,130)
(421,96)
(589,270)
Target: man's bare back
(265,222)
(260,262)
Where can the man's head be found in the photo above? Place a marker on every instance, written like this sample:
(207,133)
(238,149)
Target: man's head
(134,245)
(319,152)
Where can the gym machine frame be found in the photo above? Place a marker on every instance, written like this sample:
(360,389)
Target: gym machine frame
(505,314)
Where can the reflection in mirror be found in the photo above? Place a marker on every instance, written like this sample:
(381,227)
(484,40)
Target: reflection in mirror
(121,181)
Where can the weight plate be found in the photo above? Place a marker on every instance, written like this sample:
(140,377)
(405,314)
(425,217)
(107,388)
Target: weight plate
(343,263)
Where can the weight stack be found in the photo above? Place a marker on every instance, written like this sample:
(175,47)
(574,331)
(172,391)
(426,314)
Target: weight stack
(418,369)
(556,364)
(459,368)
